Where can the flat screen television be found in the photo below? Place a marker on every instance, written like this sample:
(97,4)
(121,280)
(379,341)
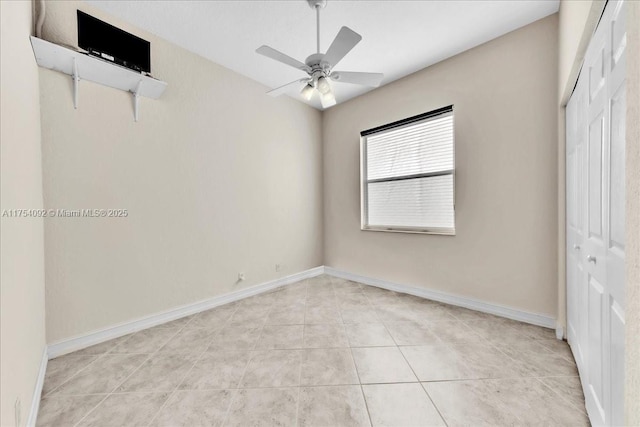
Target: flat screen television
(113,44)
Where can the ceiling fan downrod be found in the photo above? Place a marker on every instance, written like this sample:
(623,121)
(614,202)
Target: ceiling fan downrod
(317,5)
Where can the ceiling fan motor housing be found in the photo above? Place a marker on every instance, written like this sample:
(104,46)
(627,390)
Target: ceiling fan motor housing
(317,63)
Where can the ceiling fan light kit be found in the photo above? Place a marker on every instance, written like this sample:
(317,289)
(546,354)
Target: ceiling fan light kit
(307,91)
(323,85)
(319,66)
(327,99)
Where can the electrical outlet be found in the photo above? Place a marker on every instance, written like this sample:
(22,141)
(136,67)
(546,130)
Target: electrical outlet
(241,277)
(278,267)
(18,412)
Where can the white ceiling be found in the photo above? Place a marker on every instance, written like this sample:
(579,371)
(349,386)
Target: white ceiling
(399,37)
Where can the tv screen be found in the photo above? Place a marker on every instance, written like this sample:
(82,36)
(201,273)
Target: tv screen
(109,42)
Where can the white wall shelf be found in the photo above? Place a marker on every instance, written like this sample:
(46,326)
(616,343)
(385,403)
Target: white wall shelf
(81,66)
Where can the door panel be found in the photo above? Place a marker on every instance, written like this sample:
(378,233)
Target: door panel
(572,301)
(595,327)
(594,168)
(576,292)
(616,90)
(577,299)
(616,357)
(616,165)
(582,319)
(618,35)
(596,73)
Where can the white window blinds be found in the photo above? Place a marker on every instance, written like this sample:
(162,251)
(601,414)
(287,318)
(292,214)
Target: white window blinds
(408,174)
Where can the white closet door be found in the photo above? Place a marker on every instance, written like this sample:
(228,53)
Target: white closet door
(595,219)
(576,292)
(594,243)
(615,217)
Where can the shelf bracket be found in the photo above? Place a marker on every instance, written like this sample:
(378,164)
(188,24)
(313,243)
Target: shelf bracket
(76,79)
(136,98)
(68,61)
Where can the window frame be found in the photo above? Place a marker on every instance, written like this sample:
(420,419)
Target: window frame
(364,181)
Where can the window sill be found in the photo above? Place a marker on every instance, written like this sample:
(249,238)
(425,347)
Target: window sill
(437,231)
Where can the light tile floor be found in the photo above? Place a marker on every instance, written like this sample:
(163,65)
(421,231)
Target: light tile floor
(321,352)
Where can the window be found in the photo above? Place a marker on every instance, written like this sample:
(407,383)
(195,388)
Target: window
(408,175)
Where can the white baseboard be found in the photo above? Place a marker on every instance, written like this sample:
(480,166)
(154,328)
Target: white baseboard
(115,331)
(473,304)
(37,392)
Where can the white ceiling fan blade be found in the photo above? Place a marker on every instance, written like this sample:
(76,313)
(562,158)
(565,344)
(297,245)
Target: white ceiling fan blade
(366,79)
(270,52)
(284,88)
(342,44)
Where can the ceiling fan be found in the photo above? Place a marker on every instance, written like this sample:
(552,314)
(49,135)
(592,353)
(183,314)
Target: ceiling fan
(319,66)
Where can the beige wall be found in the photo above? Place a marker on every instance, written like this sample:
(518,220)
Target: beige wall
(22,323)
(504,93)
(217,177)
(632,251)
